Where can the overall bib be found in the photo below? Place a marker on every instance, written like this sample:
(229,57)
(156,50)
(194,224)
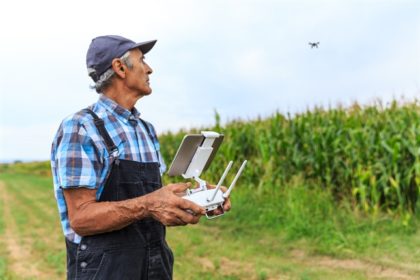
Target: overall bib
(138,251)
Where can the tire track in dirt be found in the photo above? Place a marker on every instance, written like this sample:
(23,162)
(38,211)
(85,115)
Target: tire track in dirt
(373,270)
(44,219)
(43,240)
(20,188)
(19,259)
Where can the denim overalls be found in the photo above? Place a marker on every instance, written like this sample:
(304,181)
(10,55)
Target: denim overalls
(138,251)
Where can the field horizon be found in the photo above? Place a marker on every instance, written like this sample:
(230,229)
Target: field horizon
(329,194)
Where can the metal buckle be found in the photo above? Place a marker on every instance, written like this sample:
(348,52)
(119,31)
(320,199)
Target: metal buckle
(114,153)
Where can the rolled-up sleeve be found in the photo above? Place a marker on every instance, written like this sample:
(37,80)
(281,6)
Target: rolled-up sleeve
(78,161)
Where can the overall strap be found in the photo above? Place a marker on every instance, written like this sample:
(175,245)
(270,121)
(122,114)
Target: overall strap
(99,123)
(152,137)
(147,129)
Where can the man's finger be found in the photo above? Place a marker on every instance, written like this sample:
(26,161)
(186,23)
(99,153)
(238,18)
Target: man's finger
(195,208)
(176,222)
(186,217)
(222,188)
(210,186)
(179,187)
(227,205)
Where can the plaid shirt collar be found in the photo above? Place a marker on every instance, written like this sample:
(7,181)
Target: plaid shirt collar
(117,109)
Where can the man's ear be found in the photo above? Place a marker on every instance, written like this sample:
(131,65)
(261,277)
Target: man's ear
(119,67)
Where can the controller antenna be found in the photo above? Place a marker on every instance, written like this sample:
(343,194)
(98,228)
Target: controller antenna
(221,181)
(226,194)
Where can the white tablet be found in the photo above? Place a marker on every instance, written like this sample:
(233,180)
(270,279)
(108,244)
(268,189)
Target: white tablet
(188,149)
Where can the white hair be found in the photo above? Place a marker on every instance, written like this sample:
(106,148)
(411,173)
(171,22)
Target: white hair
(105,79)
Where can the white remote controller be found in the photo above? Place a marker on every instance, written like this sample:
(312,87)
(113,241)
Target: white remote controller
(212,199)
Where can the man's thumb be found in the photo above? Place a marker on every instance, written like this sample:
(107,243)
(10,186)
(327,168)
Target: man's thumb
(180,187)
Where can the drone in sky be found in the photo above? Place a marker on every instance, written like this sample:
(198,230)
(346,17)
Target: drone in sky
(313,45)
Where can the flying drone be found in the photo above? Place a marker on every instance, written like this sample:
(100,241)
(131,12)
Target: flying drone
(314,45)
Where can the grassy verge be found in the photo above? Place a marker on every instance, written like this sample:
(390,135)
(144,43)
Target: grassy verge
(32,236)
(3,252)
(297,232)
(294,232)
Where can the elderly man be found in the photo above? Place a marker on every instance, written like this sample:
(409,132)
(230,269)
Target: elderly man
(107,171)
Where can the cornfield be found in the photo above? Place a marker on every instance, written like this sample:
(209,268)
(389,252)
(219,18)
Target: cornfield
(369,155)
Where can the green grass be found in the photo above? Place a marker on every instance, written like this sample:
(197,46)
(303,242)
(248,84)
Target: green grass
(288,234)
(3,251)
(265,234)
(34,228)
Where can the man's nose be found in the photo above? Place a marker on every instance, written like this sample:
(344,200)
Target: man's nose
(149,69)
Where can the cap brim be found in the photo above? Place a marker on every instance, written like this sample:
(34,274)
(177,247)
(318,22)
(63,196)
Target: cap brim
(145,47)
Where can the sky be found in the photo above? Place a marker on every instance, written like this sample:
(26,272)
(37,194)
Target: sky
(241,58)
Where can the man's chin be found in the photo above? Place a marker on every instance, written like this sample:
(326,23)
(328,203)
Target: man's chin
(146,92)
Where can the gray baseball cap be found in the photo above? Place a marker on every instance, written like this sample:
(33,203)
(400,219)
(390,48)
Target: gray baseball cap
(104,49)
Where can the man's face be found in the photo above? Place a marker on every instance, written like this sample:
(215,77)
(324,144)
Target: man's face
(137,78)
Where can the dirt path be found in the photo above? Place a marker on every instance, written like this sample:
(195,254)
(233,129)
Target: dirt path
(372,270)
(19,261)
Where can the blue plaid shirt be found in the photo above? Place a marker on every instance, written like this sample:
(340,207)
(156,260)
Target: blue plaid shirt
(79,157)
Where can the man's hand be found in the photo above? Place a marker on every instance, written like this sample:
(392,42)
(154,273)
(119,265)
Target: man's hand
(167,207)
(226,205)
(89,217)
